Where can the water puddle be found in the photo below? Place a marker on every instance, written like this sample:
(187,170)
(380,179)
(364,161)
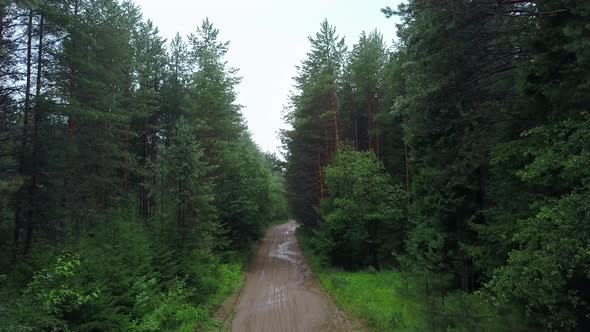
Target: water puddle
(282,250)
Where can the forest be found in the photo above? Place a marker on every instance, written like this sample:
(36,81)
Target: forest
(131,191)
(442,182)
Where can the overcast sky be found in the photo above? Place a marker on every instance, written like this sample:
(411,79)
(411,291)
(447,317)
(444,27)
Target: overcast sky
(268,38)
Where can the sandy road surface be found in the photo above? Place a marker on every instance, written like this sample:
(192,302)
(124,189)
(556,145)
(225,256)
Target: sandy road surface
(280,294)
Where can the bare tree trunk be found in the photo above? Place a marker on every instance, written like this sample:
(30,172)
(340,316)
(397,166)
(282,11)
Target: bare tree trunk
(369,124)
(126,167)
(143,199)
(335,118)
(320,176)
(35,140)
(1,26)
(408,197)
(377,136)
(356,130)
(27,105)
(19,217)
(179,216)
(161,207)
(102,199)
(407,165)
(70,135)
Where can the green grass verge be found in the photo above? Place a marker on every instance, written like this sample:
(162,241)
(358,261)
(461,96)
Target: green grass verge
(230,282)
(390,300)
(370,297)
(367,296)
(231,279)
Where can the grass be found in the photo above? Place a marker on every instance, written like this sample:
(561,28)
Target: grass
(230,280)
(367,296)
(389,300)
(370,297)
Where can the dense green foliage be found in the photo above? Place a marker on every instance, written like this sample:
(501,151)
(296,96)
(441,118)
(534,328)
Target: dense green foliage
(390,300)
(364,213)
(130,190)
(447,175)
(480,113)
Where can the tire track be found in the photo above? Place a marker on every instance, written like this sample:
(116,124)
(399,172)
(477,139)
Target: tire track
(280,293)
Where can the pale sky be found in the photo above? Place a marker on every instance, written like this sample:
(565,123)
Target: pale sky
(268,38)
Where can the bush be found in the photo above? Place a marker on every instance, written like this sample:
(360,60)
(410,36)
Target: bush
(389,300)
(364,212)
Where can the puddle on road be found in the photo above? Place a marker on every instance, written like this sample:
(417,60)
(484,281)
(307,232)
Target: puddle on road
(276,297)
(282,250)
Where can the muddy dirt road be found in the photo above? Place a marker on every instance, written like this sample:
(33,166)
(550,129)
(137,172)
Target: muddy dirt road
(280,294)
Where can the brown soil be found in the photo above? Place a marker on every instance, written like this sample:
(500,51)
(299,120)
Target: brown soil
(280,293)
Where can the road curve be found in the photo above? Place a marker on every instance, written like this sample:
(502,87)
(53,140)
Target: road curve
(280,294)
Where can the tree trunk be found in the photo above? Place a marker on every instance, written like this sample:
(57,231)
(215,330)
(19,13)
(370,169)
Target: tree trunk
(335,118)
(407,163)
(1,27)
(19,216)
(143,196)
(377,136)
(161,207)
(35,141)
(66,205)
(179,216)
(320,176)
(369,124)
(356,130)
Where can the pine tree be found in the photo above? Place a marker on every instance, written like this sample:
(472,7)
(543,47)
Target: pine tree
(212,96)
(149,63)
(366,66)
(242,192)
(187,183)
(314,117)
(533,241)
(98,161)
(175,86)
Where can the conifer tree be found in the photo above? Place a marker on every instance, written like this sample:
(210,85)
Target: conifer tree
(314,116)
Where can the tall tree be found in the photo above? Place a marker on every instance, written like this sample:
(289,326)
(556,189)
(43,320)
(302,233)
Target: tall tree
(532,241)
(314,117)
(125,171)
(185,178)
(367,66)
(175,85)
(149,63)
(451,91)
(212,93)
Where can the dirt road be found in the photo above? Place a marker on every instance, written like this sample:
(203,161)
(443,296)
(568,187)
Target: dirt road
(280,293)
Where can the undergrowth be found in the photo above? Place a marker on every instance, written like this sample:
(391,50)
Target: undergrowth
(390,300)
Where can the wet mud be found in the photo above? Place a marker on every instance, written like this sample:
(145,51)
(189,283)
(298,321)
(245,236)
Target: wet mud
(280,293)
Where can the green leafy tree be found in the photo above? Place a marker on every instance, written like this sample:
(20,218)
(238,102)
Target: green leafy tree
(364,213)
